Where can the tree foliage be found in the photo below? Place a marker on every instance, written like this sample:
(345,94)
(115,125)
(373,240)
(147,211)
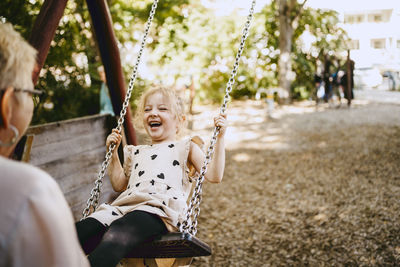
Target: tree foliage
(187,43)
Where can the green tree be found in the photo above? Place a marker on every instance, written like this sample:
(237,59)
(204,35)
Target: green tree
(297,64)
(69,76)
(187,43)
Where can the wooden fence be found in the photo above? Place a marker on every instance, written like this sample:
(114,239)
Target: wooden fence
(72,151)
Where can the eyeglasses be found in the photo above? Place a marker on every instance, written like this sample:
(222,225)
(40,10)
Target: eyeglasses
(31,91)
(35,94)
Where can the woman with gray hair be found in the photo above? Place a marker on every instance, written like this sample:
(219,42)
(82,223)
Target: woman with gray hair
(36,224)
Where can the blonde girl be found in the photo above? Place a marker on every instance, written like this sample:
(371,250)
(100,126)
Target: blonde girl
(154,180)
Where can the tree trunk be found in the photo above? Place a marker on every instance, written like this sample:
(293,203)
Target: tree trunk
(44,30)
(285,75)
(109,52)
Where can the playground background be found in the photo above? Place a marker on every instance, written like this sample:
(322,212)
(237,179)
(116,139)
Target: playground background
(308,188)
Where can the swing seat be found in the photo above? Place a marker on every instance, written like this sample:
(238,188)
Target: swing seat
(170,245)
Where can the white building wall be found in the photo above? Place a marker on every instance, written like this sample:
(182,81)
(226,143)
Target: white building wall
(370,27)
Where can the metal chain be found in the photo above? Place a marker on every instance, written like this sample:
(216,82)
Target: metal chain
(189,225)
(93,200)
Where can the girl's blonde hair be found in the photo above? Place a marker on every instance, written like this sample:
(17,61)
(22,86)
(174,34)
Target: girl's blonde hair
(177,106)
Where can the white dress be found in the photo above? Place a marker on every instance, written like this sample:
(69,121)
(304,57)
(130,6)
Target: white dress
(158,183)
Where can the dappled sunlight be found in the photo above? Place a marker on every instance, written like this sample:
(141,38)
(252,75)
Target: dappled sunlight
(310,181)
(270,138)
(241,157)
(322,144)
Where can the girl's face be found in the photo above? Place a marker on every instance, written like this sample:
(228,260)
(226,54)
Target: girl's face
(159,120)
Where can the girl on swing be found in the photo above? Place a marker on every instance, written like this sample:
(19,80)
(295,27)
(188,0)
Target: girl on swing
(154,180)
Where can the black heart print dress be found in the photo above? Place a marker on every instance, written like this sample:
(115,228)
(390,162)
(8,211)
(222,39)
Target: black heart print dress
(158,183)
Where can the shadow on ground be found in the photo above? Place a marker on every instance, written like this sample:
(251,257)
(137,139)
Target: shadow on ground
(309,188)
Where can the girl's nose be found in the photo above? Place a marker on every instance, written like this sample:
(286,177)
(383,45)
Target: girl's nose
(153,113)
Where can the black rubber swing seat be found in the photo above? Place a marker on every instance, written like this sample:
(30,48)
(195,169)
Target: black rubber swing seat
(171,245)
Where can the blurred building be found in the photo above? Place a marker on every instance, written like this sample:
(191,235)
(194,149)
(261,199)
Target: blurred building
(375,37)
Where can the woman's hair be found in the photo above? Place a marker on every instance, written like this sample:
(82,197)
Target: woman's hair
(17,59)
(177,105)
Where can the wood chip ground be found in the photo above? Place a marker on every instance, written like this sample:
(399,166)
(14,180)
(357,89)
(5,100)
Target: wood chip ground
(308,187)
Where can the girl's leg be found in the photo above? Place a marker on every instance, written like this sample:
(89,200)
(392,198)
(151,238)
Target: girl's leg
(88,228)
(124,235)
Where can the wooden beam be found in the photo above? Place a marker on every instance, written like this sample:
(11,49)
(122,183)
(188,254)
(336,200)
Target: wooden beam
(109,52)
(44,30)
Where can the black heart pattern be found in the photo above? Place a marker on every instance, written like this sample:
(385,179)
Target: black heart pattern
(161,175)
(129,186)
(171,145)
(136,165)
(152,182)
(137,151)
(175,163)
(153,156)
(168,187)
(114,213)
(129,193)
(164,203)
(175,198)
(141,173)
(137,184)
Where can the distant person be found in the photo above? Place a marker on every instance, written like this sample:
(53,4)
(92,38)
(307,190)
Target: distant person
(348,91)
(105,100)
(318,87)
(36,224)
(327,79)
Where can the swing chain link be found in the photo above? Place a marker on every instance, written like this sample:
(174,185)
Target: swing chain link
(189,225)
(93,200)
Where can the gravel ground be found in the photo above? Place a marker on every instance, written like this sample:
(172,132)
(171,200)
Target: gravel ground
(305,188)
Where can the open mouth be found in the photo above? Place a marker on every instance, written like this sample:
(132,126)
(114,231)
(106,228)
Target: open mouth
(154,124)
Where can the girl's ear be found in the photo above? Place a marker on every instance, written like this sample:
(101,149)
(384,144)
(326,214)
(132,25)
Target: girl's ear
(6,106)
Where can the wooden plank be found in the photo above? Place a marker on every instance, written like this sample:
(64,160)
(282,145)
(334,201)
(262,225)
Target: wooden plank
(66,148)
(68,129)
(80,195)
(71,165)
(78,179)
(77,198)
(72,152)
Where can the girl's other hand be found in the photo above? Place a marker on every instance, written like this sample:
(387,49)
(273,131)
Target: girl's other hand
(221,122)
(115,137)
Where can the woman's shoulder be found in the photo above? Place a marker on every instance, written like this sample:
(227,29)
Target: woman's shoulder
(25,175)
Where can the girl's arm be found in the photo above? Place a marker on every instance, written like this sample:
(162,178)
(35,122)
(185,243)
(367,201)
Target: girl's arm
(215,170)
(116,173)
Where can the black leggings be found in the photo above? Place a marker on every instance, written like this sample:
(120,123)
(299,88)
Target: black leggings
(121,237)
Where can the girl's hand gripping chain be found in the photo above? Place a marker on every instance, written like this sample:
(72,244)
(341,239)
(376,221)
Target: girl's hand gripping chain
(220,121)
(117,176)
(115,137)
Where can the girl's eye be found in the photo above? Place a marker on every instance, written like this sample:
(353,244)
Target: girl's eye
(147,110)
